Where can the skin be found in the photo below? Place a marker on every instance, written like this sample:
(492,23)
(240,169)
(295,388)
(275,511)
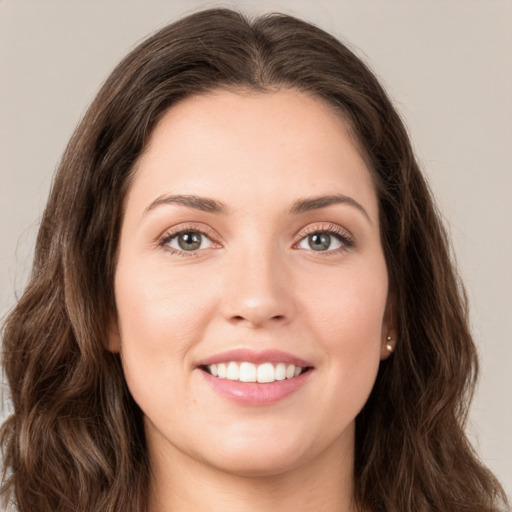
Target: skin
(255,282)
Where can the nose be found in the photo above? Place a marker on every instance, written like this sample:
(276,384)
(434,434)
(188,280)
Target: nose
(257,290)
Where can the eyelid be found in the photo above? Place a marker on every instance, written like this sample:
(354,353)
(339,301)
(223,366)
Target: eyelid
(326,227)
(321,227)
(183,228)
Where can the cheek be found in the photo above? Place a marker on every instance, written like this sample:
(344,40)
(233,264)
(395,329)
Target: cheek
(349,303)
(158,306)
(347,315)
(160,319)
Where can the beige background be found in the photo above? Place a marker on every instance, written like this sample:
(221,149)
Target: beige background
(446,63)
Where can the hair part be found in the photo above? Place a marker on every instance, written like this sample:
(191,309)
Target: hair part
(75,441)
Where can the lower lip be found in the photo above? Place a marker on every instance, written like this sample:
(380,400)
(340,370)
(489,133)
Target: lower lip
(255,393)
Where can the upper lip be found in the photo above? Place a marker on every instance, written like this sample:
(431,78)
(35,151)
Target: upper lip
(255,357)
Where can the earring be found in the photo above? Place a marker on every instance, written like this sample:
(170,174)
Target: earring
(389,346)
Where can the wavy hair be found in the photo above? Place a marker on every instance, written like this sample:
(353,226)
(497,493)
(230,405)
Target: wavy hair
(75,441)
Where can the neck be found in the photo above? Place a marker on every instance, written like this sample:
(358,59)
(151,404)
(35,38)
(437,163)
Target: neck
(323,483)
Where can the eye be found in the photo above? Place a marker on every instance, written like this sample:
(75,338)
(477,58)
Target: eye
(321,242)
(187,241)
(326,238)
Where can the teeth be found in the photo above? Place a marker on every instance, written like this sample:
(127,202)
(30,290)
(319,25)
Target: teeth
(232,372)
(266,372)
(249,372)
(221,370)
(280,371)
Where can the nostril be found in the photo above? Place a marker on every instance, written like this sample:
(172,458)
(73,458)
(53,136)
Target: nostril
(256,319)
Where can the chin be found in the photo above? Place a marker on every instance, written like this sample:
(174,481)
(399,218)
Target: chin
(264,455)
(261,464)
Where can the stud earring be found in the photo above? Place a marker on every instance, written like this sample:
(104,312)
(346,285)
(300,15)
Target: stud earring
(389,346)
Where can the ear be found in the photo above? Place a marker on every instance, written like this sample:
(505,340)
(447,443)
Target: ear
(113,334)
(389,330)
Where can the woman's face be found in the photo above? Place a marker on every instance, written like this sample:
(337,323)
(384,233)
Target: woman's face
(250,252)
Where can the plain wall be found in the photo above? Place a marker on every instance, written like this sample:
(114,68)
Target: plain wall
(447,64)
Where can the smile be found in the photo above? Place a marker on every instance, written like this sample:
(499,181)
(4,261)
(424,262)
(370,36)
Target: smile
(249,372)
(255,378)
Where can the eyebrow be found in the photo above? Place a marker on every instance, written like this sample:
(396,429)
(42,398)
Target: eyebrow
(315,203)
(204,204)
(299,206)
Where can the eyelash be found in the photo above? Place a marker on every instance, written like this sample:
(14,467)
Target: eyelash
(329,229)
(189,228)
(324,228)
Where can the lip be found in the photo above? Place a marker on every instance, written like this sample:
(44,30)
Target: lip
(255,393)
(255,357)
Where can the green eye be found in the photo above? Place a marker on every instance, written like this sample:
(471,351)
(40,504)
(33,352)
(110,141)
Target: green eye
(321,242)
(188,241)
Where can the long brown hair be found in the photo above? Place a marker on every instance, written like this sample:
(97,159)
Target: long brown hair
(75,440)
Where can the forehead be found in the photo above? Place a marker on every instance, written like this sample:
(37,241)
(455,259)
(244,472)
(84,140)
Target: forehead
(246,145)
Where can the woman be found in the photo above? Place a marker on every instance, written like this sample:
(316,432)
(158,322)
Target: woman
(242,296)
